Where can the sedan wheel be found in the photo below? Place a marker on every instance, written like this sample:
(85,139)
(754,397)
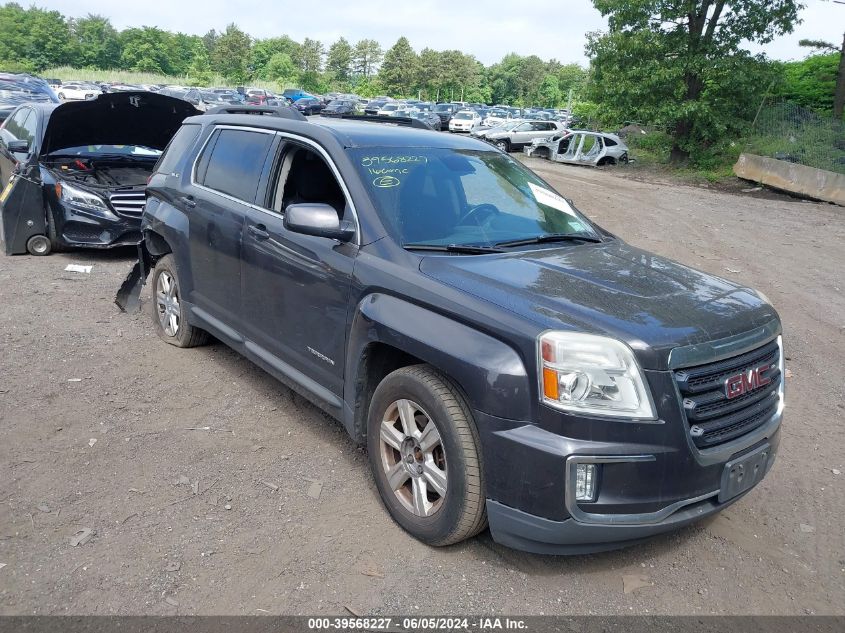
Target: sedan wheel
(502,145)
(413,458)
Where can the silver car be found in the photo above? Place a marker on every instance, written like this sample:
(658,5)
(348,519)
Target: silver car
(522,133)
(578,147)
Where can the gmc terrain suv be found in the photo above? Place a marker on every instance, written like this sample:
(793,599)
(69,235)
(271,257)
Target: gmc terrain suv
(503,358)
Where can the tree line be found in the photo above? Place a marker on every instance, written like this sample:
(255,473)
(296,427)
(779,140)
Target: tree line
(676,65)
(35,39)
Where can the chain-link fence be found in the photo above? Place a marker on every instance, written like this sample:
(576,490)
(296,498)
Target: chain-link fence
(789,132)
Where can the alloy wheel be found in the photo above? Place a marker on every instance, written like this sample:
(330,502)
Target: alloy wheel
(167,302)
(413,458)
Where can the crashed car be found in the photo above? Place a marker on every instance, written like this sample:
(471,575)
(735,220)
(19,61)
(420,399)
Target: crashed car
(75,173)
(580,148)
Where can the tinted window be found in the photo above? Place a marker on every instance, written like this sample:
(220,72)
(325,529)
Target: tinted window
(610,142)
(176,148)
(235,163)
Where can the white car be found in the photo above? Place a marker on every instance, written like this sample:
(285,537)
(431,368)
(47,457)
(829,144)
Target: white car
(76,92)
(464,121)
(497,116)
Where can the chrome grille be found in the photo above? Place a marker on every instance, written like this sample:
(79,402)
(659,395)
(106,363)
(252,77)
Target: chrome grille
(128,203)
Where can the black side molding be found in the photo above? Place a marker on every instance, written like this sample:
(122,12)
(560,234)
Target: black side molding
(283,112)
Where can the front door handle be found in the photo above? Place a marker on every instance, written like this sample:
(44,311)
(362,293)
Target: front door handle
(259,231)
(188,201)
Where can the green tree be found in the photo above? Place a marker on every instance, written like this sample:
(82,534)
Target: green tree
(199,70)
(264,50)
(366,57)
(231,54)
(339,60)
(399,68)
(839,87)
(145,50)
(665,60)
(97,42)
(282,69)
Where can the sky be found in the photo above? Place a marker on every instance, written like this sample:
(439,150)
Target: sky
(489,29)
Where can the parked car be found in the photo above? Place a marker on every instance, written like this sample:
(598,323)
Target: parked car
(517,136)
(339,107)
(257,96)
(75,173)
(503,358)
(309,105)
(295,94)
(429,118)
(464,121)
(581,148)
(445,111)
(496,117)
(76,92)
(19,88)
(374,105)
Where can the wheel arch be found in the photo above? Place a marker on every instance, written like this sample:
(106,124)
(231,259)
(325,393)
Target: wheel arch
(387,333)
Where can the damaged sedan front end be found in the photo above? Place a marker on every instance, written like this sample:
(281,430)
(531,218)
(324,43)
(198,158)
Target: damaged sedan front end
(75,173)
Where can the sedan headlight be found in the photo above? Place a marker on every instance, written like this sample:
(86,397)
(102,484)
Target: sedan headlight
(81,198)
(594,375)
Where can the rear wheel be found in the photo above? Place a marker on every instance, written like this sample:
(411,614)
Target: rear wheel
(169,313)
(424,451)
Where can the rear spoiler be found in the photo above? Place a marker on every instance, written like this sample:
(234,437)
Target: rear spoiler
(394,120)
(283,112)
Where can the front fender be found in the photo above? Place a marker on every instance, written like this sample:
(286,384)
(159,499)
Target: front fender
(489,372)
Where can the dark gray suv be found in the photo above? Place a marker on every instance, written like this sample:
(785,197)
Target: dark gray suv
(503,358)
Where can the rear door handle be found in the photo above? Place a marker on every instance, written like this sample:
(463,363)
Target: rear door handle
(188,201)
(259,231)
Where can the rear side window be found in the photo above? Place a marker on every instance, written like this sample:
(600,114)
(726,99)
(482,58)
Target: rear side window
(235,162)
(176,148)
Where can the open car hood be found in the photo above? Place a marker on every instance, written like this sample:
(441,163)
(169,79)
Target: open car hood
(121,118)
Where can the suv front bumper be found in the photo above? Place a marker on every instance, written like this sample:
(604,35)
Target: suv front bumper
(646,486)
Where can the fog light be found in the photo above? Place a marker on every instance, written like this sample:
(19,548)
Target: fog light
(585,482)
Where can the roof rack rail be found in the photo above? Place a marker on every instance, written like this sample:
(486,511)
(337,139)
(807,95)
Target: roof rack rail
(284,112)
(395,120)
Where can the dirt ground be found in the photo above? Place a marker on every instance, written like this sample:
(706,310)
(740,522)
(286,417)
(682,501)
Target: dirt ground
(212,489)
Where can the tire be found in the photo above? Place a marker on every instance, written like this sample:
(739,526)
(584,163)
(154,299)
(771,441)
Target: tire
(432,484)
(39,245)
(168,311)
(61,96)
(53,234)
(504,145)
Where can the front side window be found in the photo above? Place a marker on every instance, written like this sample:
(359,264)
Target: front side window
(302,176)
(466,197)
(232,162)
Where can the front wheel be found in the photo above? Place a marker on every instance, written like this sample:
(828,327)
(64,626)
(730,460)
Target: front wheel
(503,145)
(169,312)
(424,451)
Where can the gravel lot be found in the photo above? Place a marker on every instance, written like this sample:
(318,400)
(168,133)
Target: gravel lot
(272,508)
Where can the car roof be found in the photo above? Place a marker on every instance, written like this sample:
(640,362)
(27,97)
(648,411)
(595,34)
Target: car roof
(349,133)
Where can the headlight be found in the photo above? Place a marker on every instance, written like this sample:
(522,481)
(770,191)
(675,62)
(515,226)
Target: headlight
(595,375)
(80,198)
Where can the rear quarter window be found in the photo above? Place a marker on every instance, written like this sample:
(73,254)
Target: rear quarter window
(234,161)
(177,148)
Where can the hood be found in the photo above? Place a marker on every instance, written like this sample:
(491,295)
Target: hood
(120,118)
(614,289)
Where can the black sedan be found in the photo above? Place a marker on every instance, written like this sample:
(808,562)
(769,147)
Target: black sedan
(76,173)
(309,105)
(339,107)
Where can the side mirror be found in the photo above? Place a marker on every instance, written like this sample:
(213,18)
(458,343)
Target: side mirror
(18,147)
(318,219)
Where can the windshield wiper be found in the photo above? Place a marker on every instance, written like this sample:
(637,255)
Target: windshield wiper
(465,249)
(551,237)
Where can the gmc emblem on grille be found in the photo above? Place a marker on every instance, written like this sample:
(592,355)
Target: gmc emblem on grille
(746,382)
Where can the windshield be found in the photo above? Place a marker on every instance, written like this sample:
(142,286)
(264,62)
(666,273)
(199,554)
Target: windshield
(465,197)
(463,115)
(389,108)
(443,107)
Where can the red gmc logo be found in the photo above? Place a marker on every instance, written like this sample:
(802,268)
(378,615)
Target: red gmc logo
(740,384)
